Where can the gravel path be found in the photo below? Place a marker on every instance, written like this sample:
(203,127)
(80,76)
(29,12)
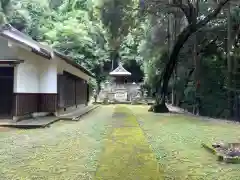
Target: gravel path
(179,110)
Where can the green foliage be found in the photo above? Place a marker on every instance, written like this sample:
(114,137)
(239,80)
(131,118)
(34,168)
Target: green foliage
(5,8)
(29,16)
(116,17)
(153,68)
(92,85)
(79,37)
(118,20)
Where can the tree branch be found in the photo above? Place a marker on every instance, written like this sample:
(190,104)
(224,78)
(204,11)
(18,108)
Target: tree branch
(184,8)
(188,10)
(182,38)
(206,47)
(236,36)
(212,15)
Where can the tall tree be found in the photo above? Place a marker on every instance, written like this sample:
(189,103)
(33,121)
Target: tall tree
(5,9)
(192,27)
(117,19)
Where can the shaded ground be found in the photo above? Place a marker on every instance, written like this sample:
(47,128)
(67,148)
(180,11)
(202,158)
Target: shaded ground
(104,142)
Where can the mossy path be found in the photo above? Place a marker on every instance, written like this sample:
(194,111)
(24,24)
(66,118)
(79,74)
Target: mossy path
(127,154)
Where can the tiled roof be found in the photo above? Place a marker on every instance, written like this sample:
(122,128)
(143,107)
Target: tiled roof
(9,32)
(120,71)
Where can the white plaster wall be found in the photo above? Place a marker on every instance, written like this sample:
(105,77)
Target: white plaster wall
(48,76)
(26,75)
(39,75)
(5,51)
(35,75)
(63,66)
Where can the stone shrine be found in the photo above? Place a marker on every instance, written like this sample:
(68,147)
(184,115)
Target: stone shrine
(119,83)
(120,89)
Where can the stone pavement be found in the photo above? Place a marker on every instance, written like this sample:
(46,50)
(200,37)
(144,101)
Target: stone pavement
(40,122)
(76,114)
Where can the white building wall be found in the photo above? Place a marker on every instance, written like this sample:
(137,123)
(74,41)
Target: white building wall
(26,75)
(39,75)
(63,66)
(48,76)
(6,52)
(35,75)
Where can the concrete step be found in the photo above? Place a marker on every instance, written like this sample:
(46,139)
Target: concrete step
(39,122)
(42,122)
(77,113)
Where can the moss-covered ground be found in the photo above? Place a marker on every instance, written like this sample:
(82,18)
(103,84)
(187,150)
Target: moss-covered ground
(127,154)
(176,141)
(65,151)
(110,143)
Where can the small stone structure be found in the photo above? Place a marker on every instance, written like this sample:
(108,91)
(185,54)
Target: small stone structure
(227,152)
(120,89)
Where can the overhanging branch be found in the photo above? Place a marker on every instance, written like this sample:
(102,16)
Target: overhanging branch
(182,38)
(212,15)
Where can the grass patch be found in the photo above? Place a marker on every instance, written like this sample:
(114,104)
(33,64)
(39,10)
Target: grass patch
(233,160)
(163,146)
(177,139)
(209,148)
(65,151)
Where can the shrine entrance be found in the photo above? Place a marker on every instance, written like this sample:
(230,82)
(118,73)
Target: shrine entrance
(120,83)
(120,88)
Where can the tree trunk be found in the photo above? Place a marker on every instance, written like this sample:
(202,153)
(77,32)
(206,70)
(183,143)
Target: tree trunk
(171,42)
(196,62)
(190,73)
(174,33)
(159,106)
(115,58)
(168,70)
(230,62)
(98,87)
(182,38)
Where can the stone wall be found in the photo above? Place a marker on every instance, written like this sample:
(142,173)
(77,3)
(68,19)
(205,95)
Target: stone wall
(114,92)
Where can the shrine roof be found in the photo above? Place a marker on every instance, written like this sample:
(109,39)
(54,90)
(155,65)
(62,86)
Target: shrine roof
(120,71)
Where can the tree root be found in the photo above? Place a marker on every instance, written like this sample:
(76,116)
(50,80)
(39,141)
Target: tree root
(159,108)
